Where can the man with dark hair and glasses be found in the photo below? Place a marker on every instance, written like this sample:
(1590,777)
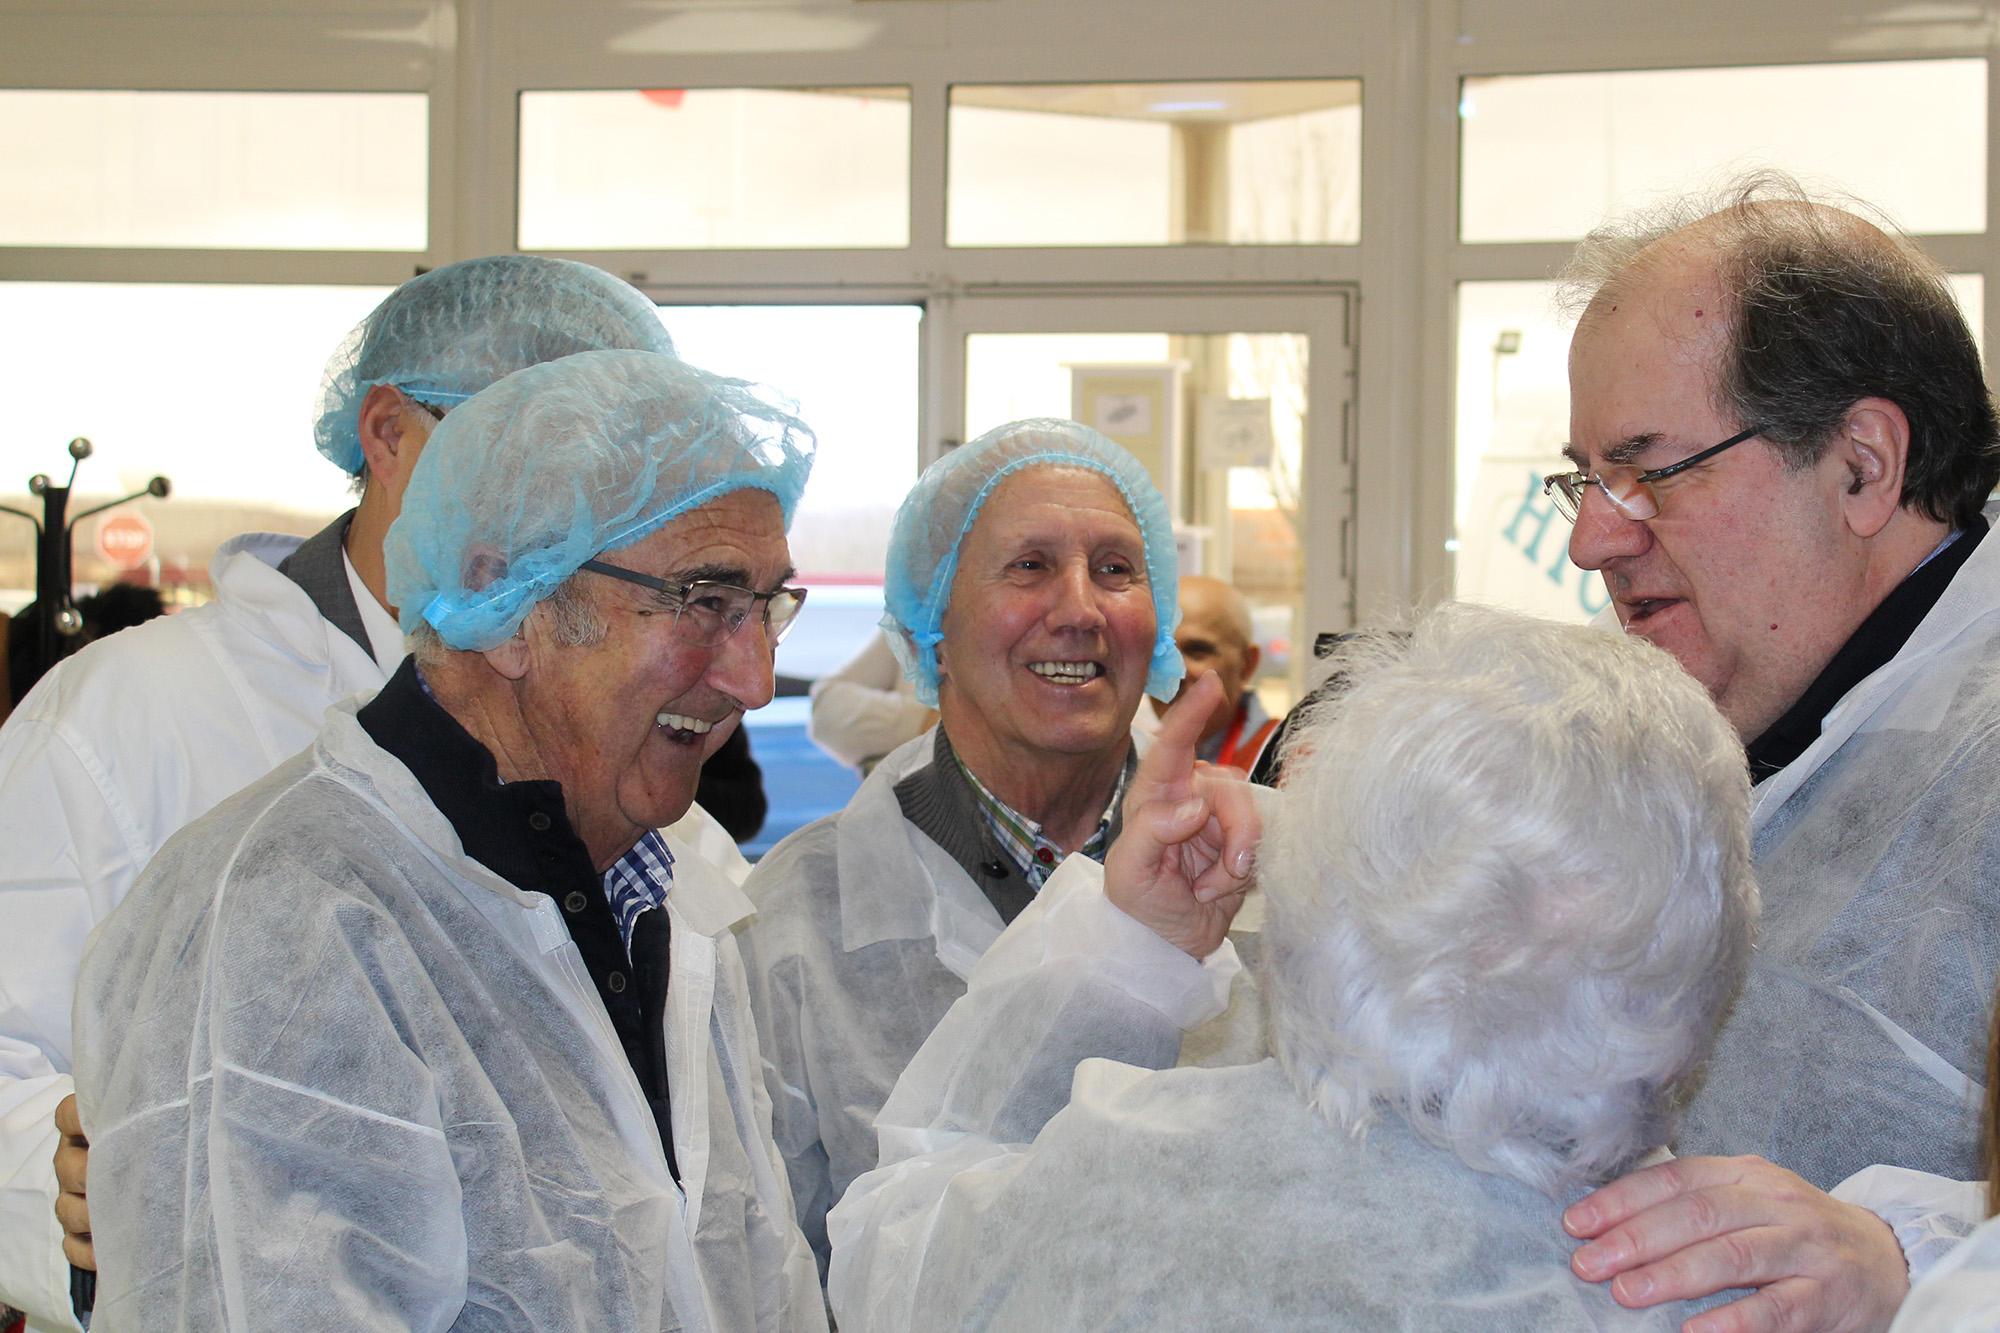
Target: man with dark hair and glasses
(435,1026)
(1783,445)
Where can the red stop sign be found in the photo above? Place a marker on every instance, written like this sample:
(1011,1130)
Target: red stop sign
(125,540)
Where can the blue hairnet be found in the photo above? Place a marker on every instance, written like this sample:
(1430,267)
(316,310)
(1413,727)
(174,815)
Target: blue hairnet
(446,335)
(561,461)
(940,509)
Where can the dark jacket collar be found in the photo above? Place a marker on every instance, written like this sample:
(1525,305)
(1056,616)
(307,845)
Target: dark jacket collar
(1870,648)
(945,809)
(317,565)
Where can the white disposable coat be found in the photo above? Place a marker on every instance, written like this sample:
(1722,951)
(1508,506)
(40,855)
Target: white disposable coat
(373,1087)
(1183,1199)
(866,931)
(1962,1293)
(112,752)
(1859,1037)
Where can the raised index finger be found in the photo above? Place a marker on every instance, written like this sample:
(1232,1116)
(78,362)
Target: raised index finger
(1166,771)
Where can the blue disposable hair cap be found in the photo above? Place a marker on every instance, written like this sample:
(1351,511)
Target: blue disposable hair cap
(444,336)
(559,462)
(938,512)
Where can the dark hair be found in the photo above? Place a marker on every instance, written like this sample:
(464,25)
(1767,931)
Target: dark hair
(1826,309)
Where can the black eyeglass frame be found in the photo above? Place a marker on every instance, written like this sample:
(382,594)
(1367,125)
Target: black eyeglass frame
(681,592)
(1571,485)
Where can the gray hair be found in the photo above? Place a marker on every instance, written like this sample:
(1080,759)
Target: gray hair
(574,619)
(1827,303)
(1510,894)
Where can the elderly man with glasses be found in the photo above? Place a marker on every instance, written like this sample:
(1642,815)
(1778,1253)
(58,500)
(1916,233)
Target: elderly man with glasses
(433,1027)
(1783,445)
(138,734)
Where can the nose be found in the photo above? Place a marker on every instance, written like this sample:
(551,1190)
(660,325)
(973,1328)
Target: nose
(1603,534)
(1076,598)
(743,665)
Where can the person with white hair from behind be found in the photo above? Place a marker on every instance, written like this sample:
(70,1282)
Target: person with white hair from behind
(1510,899)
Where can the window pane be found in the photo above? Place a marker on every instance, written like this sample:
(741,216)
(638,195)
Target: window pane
(220,400)
(853,372)
(1546,157)
(1156,163)
(1513,420)
(267,171)
(715,168)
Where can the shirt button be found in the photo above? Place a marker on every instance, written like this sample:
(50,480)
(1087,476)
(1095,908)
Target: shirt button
(1045,856)
(576,902)
(539,822)
(615,983)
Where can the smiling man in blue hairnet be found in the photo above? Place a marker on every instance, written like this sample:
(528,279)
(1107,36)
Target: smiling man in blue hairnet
(138,734)
(1031,598)
(439,1030)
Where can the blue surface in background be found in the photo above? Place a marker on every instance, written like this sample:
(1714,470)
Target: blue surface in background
(801,781)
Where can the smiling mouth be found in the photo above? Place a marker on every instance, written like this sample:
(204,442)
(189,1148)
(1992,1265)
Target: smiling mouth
(1067,673)
(681,727)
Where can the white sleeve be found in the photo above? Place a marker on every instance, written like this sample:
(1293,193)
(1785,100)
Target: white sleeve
(70,857)
(1072,978)
(863,710)
(1929,1214)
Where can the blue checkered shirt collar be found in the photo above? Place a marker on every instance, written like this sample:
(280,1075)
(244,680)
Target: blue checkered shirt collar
(639,882)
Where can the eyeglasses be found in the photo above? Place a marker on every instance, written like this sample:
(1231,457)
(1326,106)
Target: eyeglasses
(707,612)
(1629,489)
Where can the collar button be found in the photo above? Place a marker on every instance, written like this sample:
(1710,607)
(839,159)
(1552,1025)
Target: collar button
(539,822)
(1045,856)
(576,902)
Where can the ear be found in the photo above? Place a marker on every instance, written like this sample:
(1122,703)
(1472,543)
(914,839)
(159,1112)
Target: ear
(388,429)
(512,658)
(1871,452)
(1252,657)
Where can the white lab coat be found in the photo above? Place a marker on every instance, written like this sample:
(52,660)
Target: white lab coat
(1859,1037)
(111,753)
(866,931)
(337,1074)
(1180,1199)
(1962,1293)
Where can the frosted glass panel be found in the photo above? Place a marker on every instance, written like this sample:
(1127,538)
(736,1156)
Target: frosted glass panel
(1546,157)
(1155,164)
(715,168)
(198,170)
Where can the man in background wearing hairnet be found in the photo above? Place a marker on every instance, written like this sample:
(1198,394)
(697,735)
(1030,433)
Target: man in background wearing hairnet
(1485,981)
(432,1027)
(1030,595)
(133,737)
(1783,442)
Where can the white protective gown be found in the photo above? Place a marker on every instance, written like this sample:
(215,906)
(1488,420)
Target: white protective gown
(374,1088)
(1961,1294)
(1180,1199)
(1860,1035)
(866,931)
(111,753)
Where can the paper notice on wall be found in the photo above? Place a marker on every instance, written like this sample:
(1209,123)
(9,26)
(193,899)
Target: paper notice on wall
(1233,432)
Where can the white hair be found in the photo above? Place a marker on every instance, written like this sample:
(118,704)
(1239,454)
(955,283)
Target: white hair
(1510,892)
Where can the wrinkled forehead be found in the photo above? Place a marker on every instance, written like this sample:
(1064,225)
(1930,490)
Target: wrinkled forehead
(1053,499)
(738,537)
